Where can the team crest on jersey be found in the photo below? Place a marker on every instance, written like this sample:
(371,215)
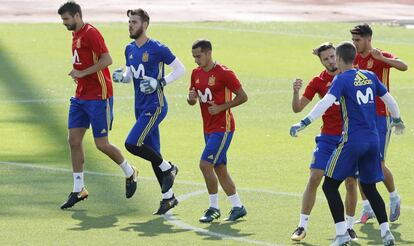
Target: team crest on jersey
(78,43)
(212,81)
(145,56)
(370,63)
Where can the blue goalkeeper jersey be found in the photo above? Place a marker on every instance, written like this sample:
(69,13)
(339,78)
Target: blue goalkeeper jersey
(148,60)
(356,91)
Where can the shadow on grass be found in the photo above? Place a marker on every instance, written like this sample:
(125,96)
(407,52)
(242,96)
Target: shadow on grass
(223,228)
(151,228)
(88,222)
(372,234)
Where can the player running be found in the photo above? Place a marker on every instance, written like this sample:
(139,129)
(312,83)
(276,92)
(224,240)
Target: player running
(145,58)
(92,103)
(213,84)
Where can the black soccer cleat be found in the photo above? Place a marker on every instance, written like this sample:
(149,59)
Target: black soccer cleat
(352,234)
(75,197)
(168,178)
(131,184)
(236,213)
(165,205)
(209,215)
(298,234)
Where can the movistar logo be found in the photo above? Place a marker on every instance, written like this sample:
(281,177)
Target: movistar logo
(368,97)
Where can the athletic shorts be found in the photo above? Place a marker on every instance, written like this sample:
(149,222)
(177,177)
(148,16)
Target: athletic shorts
(146,130)
(325,145)
(384,132)
(356,157)
(217,144)
(98,113)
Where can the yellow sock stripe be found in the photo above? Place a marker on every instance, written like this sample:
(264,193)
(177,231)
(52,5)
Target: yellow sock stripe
(223,142)
(148,126)
(387,137)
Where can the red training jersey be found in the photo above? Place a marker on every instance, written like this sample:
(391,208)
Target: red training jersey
(215,86)
(381,69)
(332,118)
(87,46)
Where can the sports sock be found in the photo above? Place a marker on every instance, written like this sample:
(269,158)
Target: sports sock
(164,166)
(235,200)
(340,228)
(78,182)
(393,194)
(128,171)
(303,221)
(349,221)
(384,227)
(168,194)
(214,203)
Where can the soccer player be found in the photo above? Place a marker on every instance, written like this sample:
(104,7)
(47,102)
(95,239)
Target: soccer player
(326,142)
(379,62)
(213,85)
(92,103)
(145,58)
(359,146)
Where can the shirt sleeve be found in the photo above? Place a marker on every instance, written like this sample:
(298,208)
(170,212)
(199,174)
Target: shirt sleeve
(192,80)
(166,55)
(336,88)
(311,90)
(231,81)
(97,42)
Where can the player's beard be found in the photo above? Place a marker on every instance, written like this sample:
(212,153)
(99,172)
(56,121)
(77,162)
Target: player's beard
(332,70)
(137,34)
(71,27)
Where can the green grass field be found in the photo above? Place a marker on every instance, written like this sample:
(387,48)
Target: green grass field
(269,167)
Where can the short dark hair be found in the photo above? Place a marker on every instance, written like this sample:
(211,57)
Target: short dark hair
(322,47)
(141,13)
(346,51)
(70,7)
(204,44)
(363,30)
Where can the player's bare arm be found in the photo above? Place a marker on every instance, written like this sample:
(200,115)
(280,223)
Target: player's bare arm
(104,61)
(241,97)
(393,62)
(298,103)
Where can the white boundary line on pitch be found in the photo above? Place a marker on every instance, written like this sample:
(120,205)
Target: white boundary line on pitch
(169,217)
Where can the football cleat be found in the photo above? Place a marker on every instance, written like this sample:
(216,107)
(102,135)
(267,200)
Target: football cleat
(342,240)
(131,184)
(75,197)
(298,234)
(236,213)
(209,215)
(395,208)
(165,205)
(365,216)
(352,234)
(388,239)
(168,178)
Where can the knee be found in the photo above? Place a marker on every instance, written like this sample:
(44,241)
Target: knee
(315,180)
(74,142)
(351,185)
(206,167)
(102,146)
(131,148)
(327,186)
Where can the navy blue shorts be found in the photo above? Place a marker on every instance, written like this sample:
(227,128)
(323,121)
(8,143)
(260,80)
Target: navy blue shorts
(325,146)
(98,113)
(356,157)
(217,144)
(146,130)
(384,132)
